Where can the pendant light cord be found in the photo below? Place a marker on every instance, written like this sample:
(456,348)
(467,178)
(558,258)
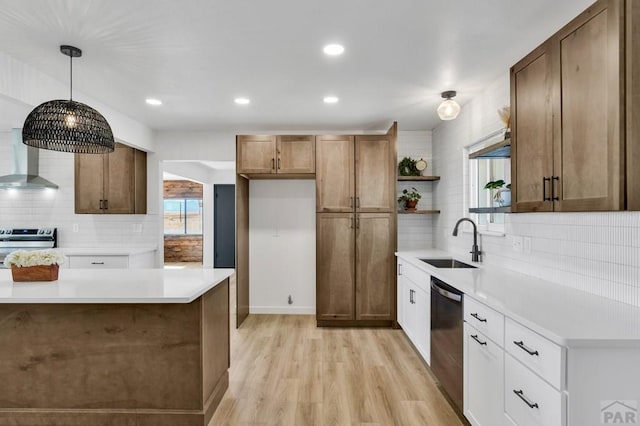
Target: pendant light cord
(70,77)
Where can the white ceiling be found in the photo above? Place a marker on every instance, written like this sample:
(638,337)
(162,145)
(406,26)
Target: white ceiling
(198,55)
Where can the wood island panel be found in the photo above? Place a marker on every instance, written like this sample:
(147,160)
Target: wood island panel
(104,364)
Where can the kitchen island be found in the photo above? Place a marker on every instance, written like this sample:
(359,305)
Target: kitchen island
(114,347)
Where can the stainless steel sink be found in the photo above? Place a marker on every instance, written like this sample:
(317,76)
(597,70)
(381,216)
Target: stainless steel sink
(447,263)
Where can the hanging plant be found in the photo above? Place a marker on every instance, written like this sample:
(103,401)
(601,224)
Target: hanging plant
(407,167)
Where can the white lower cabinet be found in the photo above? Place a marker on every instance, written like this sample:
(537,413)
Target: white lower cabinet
(529,400)
(414,306)
(108,261)
(483,379)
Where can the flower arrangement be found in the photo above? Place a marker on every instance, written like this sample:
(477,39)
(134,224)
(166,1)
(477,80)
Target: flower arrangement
(24,258)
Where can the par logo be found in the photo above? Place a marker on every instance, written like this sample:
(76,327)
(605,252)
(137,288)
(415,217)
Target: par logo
(619,412)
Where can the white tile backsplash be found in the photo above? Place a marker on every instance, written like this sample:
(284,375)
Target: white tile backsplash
(595,252)
(55,208)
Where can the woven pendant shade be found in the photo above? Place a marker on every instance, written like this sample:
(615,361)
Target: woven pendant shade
(68,126)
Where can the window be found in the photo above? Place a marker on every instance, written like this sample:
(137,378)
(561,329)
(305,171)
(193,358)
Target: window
(183,216)
(489,165)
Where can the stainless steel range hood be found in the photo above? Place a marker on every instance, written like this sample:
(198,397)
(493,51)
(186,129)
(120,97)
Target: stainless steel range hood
(25,161)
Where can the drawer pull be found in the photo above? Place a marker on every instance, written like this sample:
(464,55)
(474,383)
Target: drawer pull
(97,263)
(522,346)
(475,337)
(520,394)
(476,316)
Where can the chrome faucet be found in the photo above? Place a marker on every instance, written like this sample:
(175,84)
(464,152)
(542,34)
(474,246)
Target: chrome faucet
(475,252)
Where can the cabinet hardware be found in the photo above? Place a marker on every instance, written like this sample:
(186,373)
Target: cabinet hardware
(97,263)
(350,202)
(544,188)
(278,163)
(520,394)
(411,293)
(475,337)
(522,346)
(553,188)
(273,164)
(478,317)
(399,268)
(357,222)
(352,225)
(106,204)
(101,204)
(357,202)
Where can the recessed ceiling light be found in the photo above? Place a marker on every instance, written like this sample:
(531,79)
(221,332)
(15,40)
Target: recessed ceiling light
(242,101)
(154,102)
(330,99)
(333,49)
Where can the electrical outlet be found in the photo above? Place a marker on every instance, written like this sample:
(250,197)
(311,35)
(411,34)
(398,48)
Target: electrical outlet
(76,228)
(527,245)
(517,243)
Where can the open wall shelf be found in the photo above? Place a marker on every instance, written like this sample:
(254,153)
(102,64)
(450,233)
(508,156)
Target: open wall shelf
(418,178)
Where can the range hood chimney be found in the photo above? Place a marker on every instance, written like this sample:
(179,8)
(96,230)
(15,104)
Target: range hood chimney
(25,166)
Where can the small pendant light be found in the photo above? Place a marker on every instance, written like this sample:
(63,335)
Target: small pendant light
(448,109)
(68,126)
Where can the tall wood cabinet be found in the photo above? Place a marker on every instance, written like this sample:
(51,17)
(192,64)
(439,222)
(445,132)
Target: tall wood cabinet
(573,101)
(271,155)
(356,229)
(114,183)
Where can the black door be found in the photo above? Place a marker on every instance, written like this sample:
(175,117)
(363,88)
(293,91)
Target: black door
(224,226)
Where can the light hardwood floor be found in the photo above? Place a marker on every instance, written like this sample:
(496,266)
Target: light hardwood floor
(285,371)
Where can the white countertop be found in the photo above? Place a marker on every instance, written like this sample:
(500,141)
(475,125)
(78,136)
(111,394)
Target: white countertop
(106,251)
(114,286)
(564,315)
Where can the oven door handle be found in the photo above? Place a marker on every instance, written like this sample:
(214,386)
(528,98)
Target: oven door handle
(445,293)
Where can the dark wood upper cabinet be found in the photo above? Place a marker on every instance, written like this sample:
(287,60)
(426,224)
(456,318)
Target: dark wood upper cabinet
(275,155)
(114,183)
(335,176)
(573,101)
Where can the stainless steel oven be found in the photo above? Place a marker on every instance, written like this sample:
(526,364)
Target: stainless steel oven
(447,339)
(12,239)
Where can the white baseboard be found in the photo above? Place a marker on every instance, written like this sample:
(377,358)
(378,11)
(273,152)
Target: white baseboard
(287,310)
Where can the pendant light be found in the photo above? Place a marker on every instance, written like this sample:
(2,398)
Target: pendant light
(448,109)
(68,126)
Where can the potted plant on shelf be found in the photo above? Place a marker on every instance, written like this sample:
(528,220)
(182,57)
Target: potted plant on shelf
(410,199)
(35,265)
(502,196)
(407,167)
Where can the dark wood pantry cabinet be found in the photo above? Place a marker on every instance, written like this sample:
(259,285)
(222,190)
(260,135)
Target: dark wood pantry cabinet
(114,183)
(356,229)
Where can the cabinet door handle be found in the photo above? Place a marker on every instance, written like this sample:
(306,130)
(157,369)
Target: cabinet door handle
(357,202)
(478,317)
(399,268)
(350,202)
(273,164)
(544,188)
(353,221)
(357,222)
(522,346)
(278,163)
(106,204)
(475,337)
(411,296)
(97,263)
(101,205)
(520,394)
(553,188)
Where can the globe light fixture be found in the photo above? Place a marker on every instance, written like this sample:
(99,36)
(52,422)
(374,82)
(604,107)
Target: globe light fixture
(448,109)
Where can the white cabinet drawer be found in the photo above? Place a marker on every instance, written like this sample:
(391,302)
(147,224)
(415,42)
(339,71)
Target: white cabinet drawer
(415,274)
(529,400)
(536,352)
(98,262)
(485,320)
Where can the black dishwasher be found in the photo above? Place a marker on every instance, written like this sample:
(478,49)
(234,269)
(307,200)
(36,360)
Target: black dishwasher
(447,338)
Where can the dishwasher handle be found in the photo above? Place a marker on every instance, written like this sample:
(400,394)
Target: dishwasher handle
(445,292)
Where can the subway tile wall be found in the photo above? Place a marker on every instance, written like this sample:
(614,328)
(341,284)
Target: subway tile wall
(55,208)
(595,252)
(416,231)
